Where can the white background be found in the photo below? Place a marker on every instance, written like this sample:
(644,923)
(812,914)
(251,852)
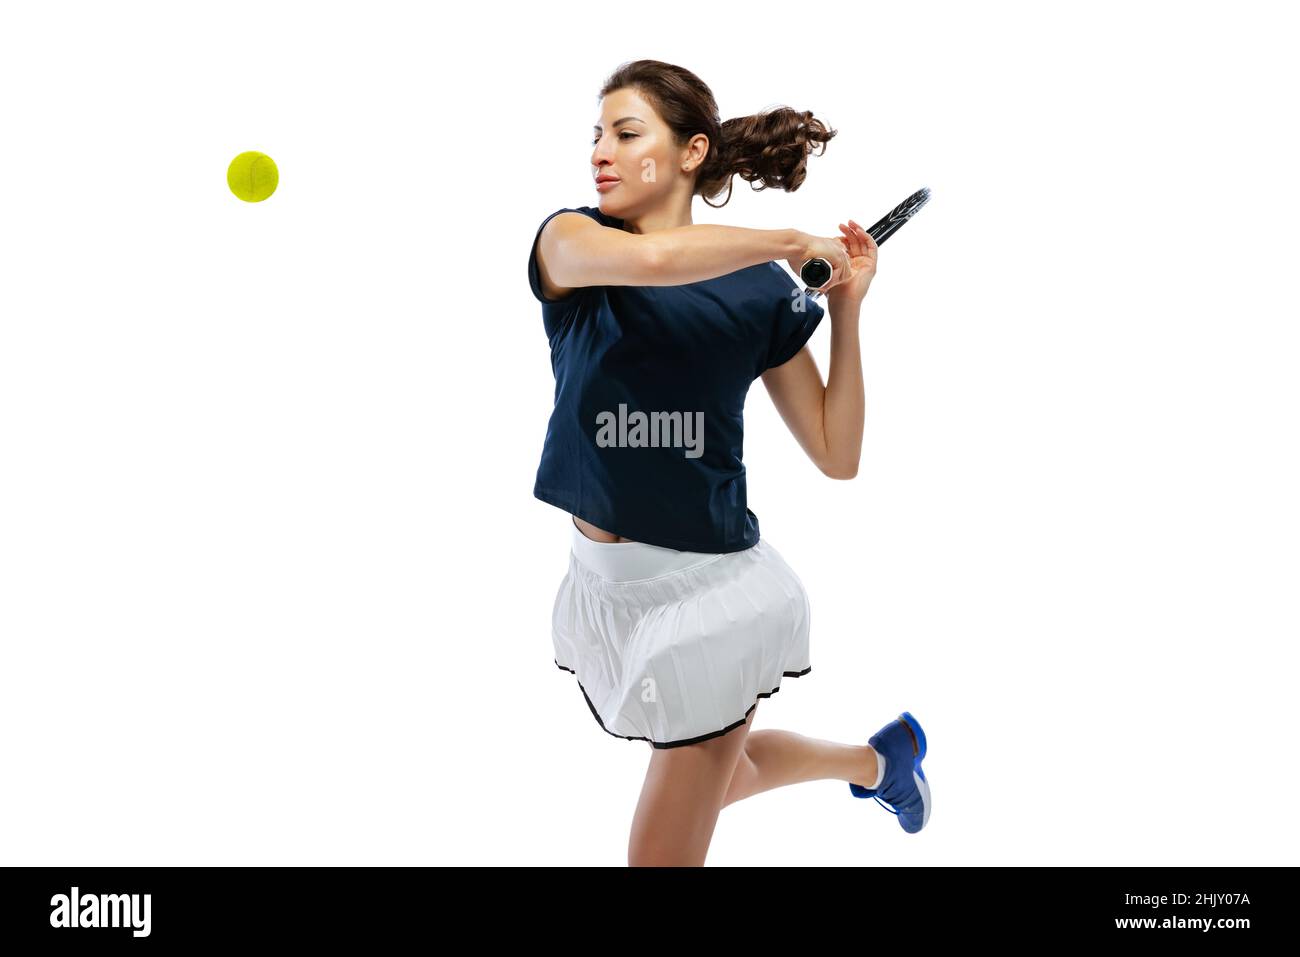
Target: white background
(273,585)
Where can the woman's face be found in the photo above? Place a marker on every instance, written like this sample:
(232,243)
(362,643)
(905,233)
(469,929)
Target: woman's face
(635,147)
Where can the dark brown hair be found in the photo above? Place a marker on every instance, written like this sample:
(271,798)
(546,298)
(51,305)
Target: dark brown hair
(769,148)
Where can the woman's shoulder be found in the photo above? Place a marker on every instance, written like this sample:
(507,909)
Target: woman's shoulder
(595,213)
(591,212)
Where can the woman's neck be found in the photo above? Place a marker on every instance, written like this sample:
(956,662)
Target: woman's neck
(665,217)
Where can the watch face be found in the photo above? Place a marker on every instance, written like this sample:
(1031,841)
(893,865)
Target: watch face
(815,273)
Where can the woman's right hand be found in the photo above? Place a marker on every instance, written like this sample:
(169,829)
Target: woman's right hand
(832,250)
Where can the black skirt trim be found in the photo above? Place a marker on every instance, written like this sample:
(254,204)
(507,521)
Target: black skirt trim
(683,741)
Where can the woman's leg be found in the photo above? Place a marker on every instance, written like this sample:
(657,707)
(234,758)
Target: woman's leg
(680,800)
(773,759)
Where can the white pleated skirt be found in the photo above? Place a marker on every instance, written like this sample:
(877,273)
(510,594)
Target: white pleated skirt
(676,647)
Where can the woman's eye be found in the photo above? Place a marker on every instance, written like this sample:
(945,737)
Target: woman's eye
(620,136)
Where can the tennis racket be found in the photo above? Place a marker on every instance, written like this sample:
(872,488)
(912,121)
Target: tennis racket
(816,273)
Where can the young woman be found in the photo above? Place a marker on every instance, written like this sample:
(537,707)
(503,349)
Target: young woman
(675,616)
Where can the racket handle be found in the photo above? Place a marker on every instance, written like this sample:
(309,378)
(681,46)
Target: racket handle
(815,273)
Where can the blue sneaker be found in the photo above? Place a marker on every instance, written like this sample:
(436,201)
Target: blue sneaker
(902,742)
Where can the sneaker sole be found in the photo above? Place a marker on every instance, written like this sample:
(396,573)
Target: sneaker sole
(918,755)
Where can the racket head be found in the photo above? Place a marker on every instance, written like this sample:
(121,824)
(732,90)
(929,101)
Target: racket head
(894,220)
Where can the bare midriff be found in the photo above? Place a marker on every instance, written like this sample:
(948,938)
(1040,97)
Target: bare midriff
(597,534)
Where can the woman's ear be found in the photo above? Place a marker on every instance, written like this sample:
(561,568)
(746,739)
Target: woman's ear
(696,151)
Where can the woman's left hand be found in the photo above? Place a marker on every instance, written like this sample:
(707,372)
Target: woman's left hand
(862,251)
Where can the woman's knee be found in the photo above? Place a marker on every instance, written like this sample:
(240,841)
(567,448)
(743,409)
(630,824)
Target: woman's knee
(742,778)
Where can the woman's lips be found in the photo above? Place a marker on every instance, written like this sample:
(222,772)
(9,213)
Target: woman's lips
(605,185)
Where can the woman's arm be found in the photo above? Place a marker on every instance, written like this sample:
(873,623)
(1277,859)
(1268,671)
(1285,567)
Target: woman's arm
(826,419)
(574,250)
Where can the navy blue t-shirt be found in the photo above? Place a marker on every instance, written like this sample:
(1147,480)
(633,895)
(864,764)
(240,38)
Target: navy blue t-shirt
(646,436)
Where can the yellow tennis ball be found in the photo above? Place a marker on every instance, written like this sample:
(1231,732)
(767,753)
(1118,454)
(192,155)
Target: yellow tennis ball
(252,176)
